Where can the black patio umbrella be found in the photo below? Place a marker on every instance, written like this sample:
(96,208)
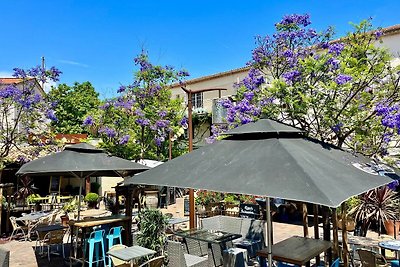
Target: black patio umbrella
(268,158)
(81,161)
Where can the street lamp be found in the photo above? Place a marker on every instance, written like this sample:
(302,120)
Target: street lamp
(189,93)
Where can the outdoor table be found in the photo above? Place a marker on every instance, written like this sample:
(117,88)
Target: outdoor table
(31,217)
(296,250)
(211,237)
(131,253)
(50,228)
(393,245)
(84,225)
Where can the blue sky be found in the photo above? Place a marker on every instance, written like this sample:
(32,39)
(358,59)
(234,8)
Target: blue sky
(96,41)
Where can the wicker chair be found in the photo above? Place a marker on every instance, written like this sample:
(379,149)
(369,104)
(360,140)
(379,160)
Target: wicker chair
(155,262)
(371,258)
(177,257)
(54,238)
(4,257)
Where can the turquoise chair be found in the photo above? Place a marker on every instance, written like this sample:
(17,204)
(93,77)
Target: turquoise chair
(395,263)
(96,238)
(114,234)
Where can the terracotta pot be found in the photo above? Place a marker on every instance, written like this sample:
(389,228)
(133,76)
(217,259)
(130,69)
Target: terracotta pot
(350,224)
(389,226)
(64,220)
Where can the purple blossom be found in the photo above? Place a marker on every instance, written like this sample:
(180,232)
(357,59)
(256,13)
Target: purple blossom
(184,122)
(19,73)
(249,95)
(162,113)
(50,114)
(142,122)
(334,63)
(162,123)
(124,139)
(336,128)
(121,89)
(106,105)
(335,48)
(139,113)
(183,73)
(158,140)
(109,132)
(88,121)
(297,19)
(342,79)
(387,137)
(292,76)
(393,185)
(378,34)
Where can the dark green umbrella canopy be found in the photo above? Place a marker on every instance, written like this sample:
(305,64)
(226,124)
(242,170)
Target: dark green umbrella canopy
(81,160)
(268,158)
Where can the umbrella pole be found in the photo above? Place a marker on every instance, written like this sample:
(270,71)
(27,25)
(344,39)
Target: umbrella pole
(79,197)
(269,232)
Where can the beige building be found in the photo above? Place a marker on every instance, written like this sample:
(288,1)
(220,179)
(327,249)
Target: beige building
(227,79)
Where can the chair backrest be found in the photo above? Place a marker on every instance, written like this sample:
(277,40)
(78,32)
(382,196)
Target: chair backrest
(195,247)
(97,235)
(370,258)
(175,254)
(55,237)
(116,230)
(114,260)
(13,221)
(155,262)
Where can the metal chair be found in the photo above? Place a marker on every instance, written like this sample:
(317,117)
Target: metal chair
(16,227)
(155,262)
(96,238)
(177,257)
(114,234)
(371,258)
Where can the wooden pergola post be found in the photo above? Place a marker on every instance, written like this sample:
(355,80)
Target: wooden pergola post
(335,234)
(316,230)
(327,232)
(345,252)
(305,220)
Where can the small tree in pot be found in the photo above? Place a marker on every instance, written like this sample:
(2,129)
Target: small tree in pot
(91,199)
(152,225)
(378,205)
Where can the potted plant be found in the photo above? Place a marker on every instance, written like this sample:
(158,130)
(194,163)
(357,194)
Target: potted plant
(208,201)
(68,208)
(231,203)
(34,200)
(350,222)
(152,224)
(91,199)
(379,205)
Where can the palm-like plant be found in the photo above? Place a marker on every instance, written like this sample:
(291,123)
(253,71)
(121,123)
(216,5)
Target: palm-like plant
(26,188)
(378,205)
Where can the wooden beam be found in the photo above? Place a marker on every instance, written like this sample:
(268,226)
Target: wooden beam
(335,234)
(305,220)
(345,252)
(316,231)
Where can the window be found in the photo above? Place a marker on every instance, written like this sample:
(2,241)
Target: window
(197,100)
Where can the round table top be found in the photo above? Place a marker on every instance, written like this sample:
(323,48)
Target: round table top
(390,244)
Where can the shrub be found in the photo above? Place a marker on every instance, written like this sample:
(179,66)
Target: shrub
(91,197)
(32,198)
(152,224)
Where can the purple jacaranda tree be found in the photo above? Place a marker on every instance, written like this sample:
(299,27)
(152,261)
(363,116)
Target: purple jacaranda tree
(344,92)
(25,114)
(137,123)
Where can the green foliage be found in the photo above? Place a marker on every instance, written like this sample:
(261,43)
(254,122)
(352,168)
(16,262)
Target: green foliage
(204,197)
(71,206)
(231,199)
(91,197)
(152,224)
(378,205)
(32,198)
(137,124)
(73,105)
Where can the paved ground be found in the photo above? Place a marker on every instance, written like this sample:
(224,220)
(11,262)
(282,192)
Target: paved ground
(23,254)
